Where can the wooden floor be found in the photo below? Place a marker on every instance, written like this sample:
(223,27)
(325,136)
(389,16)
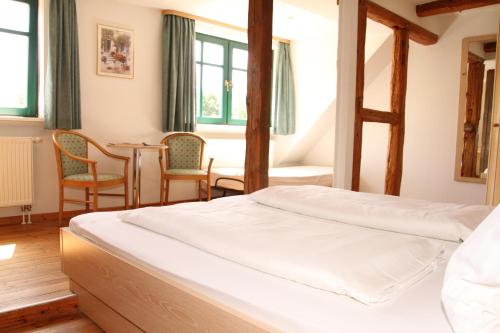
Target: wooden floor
(77,324)
(33,273)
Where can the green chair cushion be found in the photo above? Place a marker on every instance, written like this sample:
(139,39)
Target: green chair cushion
(196,172)
(87,177)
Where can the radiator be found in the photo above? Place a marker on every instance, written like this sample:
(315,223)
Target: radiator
(16,172)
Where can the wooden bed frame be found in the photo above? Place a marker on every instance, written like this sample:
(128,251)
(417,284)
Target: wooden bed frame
(123,296)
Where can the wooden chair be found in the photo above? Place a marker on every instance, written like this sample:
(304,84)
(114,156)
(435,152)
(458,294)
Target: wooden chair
(182,160)
(73,167)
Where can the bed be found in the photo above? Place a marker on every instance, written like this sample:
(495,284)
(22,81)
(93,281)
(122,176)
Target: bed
(223,178)
(131,279)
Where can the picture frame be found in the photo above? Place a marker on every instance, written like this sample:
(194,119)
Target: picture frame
(115,51)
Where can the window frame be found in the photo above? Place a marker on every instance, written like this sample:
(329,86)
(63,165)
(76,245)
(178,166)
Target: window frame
(227,66)
(31,109)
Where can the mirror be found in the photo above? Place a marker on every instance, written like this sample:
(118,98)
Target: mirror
(475,108)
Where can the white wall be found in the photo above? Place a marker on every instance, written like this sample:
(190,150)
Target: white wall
(431,116)
(122,110)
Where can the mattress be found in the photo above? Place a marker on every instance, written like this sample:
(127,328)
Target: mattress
(292,175)
(286,305)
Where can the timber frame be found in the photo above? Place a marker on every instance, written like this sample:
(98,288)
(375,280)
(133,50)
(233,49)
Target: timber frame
(451,6)
(260,63)
(122,296)
(404,30)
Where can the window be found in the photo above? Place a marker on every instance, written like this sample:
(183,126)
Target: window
(18,57)
(221,81)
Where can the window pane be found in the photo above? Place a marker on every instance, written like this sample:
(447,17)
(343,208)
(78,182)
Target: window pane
(213,53)
(14,15)
(213,78)
(198,50)
(198,89)
(240,58)
(14,70)
(239,95)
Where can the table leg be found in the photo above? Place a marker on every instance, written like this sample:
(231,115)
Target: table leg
(136,181)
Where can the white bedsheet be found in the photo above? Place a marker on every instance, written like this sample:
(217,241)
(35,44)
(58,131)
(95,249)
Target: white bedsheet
(369,265)
(288,306)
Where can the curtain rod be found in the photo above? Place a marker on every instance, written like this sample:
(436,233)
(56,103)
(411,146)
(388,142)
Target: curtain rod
(214,22)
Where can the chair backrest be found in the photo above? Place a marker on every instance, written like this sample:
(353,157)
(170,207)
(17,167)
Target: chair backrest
(185,150)
(74,143)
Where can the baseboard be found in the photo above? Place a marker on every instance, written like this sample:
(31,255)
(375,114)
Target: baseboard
(52,217)
(39,314)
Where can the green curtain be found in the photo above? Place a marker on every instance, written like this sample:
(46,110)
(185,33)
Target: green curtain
(178,74)
(284,99)
(62,90)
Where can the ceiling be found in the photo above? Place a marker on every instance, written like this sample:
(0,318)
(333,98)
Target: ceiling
(290,16)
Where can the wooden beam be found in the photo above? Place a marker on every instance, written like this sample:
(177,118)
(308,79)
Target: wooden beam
(375,116)
(360,87)
(451,6)
(472,58)
(384,16)
(490,47)
(260,60)
(394,170)
(488,110)
(474,95)
(214,22)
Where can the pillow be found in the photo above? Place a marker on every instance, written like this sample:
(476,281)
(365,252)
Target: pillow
(446,221)
(471,290)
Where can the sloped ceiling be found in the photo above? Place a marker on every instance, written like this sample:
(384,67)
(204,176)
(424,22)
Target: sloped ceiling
(289,15)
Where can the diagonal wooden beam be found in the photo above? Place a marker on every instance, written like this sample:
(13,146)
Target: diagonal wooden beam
(392,20)
(260,59)
(451,6)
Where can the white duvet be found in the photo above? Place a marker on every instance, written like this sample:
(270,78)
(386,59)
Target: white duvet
(366,264)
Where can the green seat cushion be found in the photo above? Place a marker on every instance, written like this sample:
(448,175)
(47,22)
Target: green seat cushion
(196,172)
(87,177)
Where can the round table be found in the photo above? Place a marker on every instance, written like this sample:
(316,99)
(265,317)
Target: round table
(137,163)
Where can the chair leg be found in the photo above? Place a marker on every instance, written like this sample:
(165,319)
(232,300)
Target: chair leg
(209,191)
(87,198)
(199,190)
(162,193)
(125,186)
(167,185)
(95,197)
(61,203)
(209,188)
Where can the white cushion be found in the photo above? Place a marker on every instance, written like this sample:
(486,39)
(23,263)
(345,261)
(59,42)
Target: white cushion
(471,291)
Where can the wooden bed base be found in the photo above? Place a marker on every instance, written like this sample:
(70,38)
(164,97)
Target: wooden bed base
(123,296)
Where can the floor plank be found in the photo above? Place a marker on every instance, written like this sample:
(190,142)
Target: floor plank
(33,273)
(77,324)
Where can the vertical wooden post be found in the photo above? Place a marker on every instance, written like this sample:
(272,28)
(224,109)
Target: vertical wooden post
(488,108)
(475,80)
(394,172)
(360,87)
(260,26)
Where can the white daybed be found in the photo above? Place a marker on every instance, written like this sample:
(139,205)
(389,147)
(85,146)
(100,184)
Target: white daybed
(131,279)
(286,175)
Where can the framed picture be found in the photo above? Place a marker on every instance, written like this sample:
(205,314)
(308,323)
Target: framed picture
(115,52)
